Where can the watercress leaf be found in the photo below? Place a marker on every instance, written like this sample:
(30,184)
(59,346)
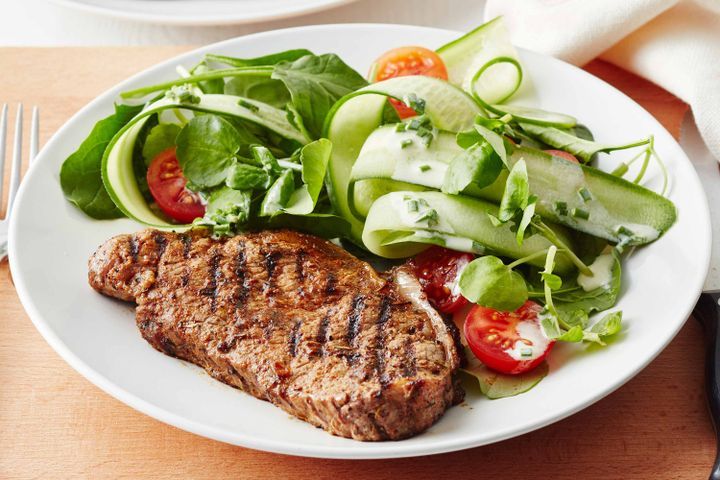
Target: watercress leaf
(467,139)
(278,195)
(517,192)
(496,141)
(553,281)
(527,216)
(242,176)
(228,211)
(487,281)
(596,300)
(574,335)
(161,137)
(479,165)
(265,60)
(80,174)
(565,140)
(264,157)
(206,149)
(496,385)
(258,87)
(315,84)
(609,325)
(314,158)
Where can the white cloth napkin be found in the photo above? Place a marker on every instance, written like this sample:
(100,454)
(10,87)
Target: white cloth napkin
(673,43)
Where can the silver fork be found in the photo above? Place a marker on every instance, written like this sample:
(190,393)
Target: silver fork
(16,167)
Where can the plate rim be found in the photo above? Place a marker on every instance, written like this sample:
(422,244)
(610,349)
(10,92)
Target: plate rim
(202,21)
(399,449)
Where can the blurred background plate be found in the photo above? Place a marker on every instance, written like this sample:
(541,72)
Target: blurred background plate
(201,12)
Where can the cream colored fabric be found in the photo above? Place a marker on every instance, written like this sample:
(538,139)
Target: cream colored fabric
(673,43)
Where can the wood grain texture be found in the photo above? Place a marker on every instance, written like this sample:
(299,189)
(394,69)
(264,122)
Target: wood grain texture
(55,424)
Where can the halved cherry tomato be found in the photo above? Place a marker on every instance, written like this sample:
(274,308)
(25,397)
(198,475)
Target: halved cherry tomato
(562,154)
(508,342)
(438,269)
(404,61)
(167,186)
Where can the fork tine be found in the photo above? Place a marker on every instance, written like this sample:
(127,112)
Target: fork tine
(3,135)
(34,133)
(16,160)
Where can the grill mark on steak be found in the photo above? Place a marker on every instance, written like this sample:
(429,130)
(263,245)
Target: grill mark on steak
(409,366)
(295,338)
(160,245)
(240,267)
(187,244)
(330,284)
(323,335)
(353,321)
(212,288)
(271,261)
(379,347)
(134,248)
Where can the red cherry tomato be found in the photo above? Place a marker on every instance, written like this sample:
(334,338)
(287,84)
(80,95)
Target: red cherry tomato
(404,61)
(563,154)
(508,342)
(167,186)
(437,270)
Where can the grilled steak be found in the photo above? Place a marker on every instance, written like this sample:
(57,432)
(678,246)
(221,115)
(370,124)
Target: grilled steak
(292,319)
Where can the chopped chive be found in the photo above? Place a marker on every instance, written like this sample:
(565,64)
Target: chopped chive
(622,230)
(406,143)
(244,103)
(580,213)
(526,352)
(414,124)
(585,194)
(478,248)
(561,208)
(430,215)
(412,205)
(400,127)
(425,168)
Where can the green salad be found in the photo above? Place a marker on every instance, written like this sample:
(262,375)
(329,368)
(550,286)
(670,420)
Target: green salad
(510,226)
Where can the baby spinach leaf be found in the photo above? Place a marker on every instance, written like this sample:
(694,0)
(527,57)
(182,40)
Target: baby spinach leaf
(487,281)
(314,158)
(161,137)
(206,150)
(278,195)
(478,165)
(242,176)
(315,84)
(259,87)
(496,385)
(272,59)
(80,174)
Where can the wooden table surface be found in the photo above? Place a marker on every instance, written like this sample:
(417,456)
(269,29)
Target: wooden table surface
(55,424)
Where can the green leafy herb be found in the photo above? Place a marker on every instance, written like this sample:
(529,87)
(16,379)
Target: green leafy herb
(315,83)
(206,150)
(278,195)
(478,165)
(227,211)
(242,176)
(487,281)
(496,385)
(259,87)
(161,137)
(314,158)
(80,175)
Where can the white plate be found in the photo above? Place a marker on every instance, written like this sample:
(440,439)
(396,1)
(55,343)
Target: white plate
(51,242)
(201,12)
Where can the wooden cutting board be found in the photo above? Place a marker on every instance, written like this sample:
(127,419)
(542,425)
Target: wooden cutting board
(55,424)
